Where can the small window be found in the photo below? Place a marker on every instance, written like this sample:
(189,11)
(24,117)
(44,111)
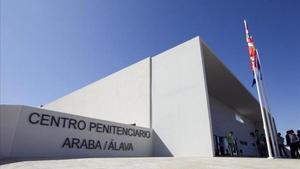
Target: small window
(239,118)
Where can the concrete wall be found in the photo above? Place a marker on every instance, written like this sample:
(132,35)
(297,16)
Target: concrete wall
(223,121)
(121,97)
(26,136)
(180,112)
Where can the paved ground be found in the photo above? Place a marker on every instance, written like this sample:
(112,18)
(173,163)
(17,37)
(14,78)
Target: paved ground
(158,163)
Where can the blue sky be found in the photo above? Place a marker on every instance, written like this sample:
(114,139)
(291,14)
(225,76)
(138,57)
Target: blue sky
(52,47)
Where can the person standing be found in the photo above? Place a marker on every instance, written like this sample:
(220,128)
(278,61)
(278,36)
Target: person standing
(298,144)
(280,141)
(258,143)
(293,144)
(288,140)
(254,142)
(263,144)
(230,141)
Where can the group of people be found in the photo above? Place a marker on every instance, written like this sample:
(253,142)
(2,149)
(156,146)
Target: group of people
(292,141)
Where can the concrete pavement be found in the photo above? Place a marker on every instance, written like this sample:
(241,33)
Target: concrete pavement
(158,163)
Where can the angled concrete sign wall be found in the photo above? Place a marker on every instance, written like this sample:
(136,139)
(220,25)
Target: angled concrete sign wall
(27,132)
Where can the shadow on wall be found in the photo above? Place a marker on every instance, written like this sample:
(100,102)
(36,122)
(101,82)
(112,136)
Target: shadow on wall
(159,149)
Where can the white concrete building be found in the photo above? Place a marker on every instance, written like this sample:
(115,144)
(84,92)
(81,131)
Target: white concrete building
(186,96)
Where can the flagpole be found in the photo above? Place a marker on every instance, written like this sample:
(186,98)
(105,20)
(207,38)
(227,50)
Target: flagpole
(255,69)
(269,114)
(263,116)
(275,131)
(270,127)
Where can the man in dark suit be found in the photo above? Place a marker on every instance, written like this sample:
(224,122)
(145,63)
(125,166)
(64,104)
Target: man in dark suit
(288,140)
(291,141)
